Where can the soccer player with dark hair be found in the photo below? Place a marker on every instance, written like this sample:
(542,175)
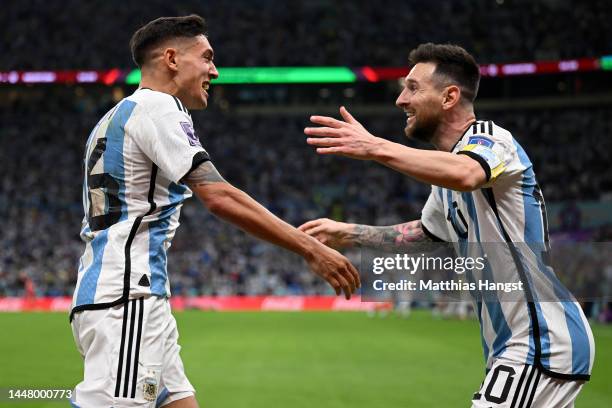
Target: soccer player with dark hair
(142,161)
(538,352)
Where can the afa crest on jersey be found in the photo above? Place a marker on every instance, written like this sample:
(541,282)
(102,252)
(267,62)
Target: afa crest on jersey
(190,132)
(480,140)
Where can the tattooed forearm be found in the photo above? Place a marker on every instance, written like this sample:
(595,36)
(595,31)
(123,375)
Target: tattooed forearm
(204,174)
(401,237)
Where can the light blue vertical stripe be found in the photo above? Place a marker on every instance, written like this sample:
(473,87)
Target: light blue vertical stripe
(498,320)
(158,233)
(485,346)
(581,347)
(440,194)
(113,155)
(534,236)
(89,282)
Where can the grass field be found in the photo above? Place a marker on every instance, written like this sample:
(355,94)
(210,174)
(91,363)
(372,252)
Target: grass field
(294,359)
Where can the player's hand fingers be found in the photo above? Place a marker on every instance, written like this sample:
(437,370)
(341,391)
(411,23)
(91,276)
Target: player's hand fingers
(322,132)
(313,231)
(330,150)
(348,275)
(355,273)
(323,141)
(326,121)
(320,236)
(310,224)
(334,284)
(347,116)
(346,287)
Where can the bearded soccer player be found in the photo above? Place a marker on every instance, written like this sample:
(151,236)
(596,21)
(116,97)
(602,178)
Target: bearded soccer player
(143,160)
(537,353)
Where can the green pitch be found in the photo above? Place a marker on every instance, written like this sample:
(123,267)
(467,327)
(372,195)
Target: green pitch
(294,359)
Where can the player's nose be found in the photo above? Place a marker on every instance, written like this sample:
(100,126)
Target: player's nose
(402,101)
(212,72)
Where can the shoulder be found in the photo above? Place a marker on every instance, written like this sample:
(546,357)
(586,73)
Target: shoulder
(157,104)
(488,134)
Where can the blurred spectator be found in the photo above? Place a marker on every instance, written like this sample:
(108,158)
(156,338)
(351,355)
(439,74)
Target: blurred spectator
(72,34)
(43,136)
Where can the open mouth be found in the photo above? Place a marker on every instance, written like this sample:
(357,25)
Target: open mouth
(409,116)
(205,87)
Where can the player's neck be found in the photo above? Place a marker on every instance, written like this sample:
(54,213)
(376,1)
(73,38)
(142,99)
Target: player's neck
(158,84)
(452,128)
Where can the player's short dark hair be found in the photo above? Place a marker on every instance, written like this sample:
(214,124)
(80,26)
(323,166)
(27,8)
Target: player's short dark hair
(453,63)
(159,30)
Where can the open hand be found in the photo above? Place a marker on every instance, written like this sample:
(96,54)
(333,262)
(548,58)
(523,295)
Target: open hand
(345,138)
(335,269)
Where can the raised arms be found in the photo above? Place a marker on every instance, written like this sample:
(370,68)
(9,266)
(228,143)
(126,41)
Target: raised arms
(349,138)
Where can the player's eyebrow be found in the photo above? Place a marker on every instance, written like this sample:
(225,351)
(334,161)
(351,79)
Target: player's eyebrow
(209,53)
(411,81)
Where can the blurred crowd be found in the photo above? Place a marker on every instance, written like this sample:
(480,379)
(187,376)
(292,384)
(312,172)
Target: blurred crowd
(72,34)
(41,176)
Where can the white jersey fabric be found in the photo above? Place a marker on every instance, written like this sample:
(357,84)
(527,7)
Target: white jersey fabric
(135,159)
(536,329)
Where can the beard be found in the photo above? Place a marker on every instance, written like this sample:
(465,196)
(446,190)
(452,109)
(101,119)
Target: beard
(423,129)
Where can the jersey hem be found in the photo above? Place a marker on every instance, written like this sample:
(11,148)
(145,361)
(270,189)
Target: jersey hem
(562,376)
(107,305)
(96,306)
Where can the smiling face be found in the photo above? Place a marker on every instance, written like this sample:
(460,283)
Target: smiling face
(194,71)
(422,100)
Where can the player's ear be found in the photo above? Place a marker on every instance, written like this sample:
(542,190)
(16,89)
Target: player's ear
(169,55)
(451,96)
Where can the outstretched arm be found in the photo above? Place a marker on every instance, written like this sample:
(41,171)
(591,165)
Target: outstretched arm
(235,206)
(409,236)
(349,138)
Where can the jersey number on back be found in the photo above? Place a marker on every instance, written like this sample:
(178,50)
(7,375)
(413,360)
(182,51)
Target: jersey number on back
(103,192)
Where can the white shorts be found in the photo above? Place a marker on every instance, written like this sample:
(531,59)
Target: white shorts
(514,385)
(131,356)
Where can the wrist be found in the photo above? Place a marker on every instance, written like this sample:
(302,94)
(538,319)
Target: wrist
(351,235)
(382,150)
(307,246)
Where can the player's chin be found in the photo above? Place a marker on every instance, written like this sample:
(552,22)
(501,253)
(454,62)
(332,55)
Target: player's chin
(200,102)
(409,131)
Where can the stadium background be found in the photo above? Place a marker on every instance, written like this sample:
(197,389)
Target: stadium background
(554,94)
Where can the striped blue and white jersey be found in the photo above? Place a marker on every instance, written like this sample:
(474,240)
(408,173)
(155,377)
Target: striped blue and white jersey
(508,211)
(135,159)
